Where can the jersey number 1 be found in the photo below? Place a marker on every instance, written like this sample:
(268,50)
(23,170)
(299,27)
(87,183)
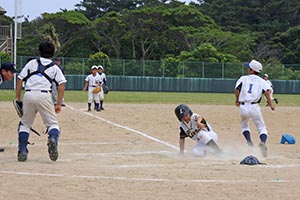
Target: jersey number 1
(250,88)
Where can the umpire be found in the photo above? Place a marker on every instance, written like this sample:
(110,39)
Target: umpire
(38,75)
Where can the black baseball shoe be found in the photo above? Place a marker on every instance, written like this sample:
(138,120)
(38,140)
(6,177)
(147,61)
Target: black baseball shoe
(52,149)
(22,156)
(2,149)
(263,149)
(102,108)
(89,109)
(276,100)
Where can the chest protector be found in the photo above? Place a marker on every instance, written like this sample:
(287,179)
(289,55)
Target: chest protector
(41,71)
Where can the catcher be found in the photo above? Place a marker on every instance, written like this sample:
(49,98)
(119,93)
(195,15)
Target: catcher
(195,127)
(38,75)
(94,84)
(6,74)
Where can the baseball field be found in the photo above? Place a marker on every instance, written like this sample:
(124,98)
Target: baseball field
(130,151)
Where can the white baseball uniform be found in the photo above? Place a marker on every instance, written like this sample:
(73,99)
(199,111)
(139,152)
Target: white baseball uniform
(201,136)
(251,89)
(103,80)
(271,90)
(93,82)
(37,97)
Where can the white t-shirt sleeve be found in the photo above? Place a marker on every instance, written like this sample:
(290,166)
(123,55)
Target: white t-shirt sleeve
(24,71)
(59,78)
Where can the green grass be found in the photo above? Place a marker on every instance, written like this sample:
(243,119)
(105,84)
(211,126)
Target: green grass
(162,97)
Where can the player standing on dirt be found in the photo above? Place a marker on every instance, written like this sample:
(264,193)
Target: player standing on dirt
(38,75)
(92,81)
(54,86)
(195,127)
(266,78)
(103,83)
(6,74)
(248,93)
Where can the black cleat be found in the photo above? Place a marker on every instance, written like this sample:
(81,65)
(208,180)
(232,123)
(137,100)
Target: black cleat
(263,149)
(22,156)
(276,100)
(2,149)
(102,108)
(89,110)
(52,149)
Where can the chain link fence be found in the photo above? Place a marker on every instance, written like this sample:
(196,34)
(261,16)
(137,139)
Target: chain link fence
(165,68)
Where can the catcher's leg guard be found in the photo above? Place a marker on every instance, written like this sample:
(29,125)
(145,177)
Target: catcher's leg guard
(23,151)
(52,144)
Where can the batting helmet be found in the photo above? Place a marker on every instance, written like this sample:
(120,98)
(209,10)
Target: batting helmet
(182,110)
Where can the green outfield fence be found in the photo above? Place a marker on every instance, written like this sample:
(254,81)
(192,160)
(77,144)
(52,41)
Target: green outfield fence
(149,75)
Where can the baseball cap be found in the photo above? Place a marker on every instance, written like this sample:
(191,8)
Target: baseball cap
(9,67)
(94,67)
(255,65)
(287,138)
(266,75)
(100,67)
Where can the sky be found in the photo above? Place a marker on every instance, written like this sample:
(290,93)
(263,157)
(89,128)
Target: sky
(34,8)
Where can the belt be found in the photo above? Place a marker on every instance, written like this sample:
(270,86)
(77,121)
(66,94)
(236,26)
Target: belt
(243,103)
(43,91)
(92,86)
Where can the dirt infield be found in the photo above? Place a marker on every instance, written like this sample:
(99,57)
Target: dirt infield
(129,151)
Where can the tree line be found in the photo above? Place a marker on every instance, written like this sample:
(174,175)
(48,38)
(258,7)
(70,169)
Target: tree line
(206,30)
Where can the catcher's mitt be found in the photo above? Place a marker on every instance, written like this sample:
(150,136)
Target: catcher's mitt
(105,89)
(19,107)
(97,89)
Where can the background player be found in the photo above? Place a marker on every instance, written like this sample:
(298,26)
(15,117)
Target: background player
(54,86)
(92,81)
(266,78)
(38,75)
(195,127)
(248,93)
(6,74)
(104,83)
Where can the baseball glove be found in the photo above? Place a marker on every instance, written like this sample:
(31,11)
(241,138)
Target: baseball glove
(19,107)
(96,90)
(105,89)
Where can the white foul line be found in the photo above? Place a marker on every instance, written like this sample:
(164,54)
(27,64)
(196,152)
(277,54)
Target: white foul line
(129,129)
(121,153)
(149,179)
